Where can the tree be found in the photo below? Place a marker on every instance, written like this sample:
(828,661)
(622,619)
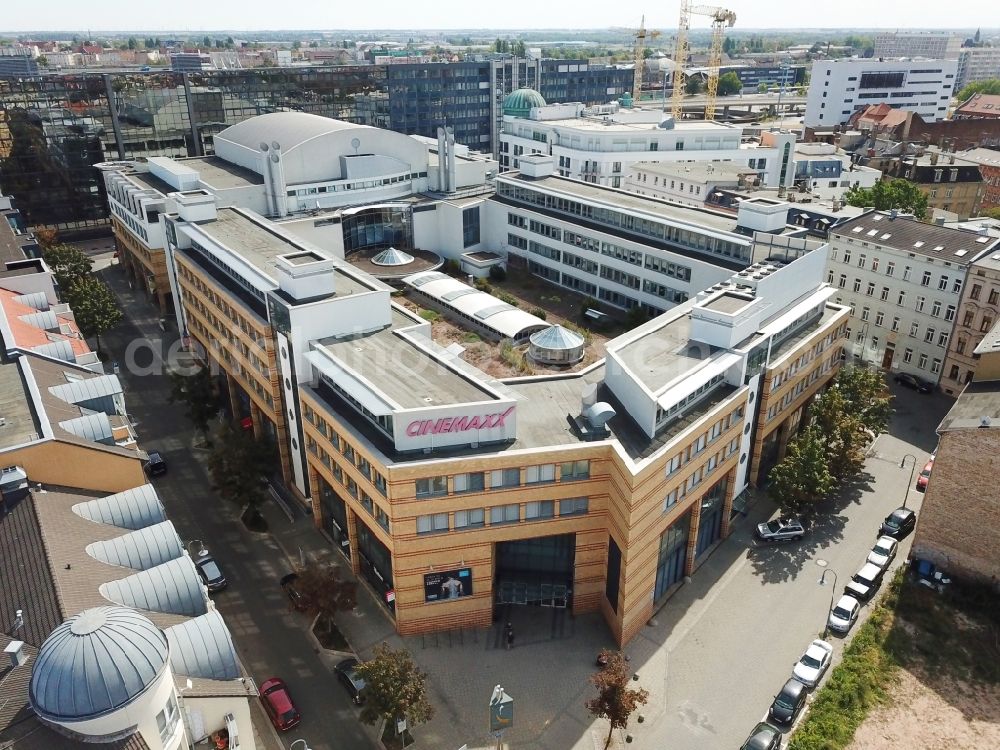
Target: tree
(842,433)
(989,86)
(132,43)
(615,700)
(237,465)
(992,213)
(801,478)
(762,87)
(729,84)
(394,689)
(885,195)
(46,238)
(206,41)
(68,264)
(95,307)
(866,396)
(692,85)
(42,61)
(323,593)
(200,398)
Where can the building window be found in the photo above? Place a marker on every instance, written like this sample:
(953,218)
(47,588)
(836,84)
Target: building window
(906,273)
(922,361)
(929,335)
(953,373)
(864,313)
(857,285)
(949,313)
(919,307)
(436,523)
(885,294)
(943,338)
(956,287)
(167,720)
(670,500)
(843,280)
(540,474)
(908,356)
(936,309)
(936,366)
(505,514)
(432,486)
(895,325)
(574,506)
(890,268)
(470,519)
(500,478)
(847,257)
(874,260)
(994,296)
(861,260)
(470,226)
(871,289)
(539,509)
(914,329)
(943,284)
(969,318)
(873,344)
(575,470)
(986,325)
(879,318)
(960,346)
(901,299)
(472,482)
(976,291)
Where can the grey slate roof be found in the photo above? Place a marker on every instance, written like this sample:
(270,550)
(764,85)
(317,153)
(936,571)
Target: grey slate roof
(96,662)
(140,550)
(173,587)
(202,647)
(133,509)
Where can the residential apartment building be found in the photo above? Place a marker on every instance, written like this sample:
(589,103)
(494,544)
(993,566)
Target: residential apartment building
(903,282)
(600,144)
(932,45)
(949,181)
(838,88)
(988,161)
(978,107)
(827,172)
(978,312)
(977,64)
(957,530)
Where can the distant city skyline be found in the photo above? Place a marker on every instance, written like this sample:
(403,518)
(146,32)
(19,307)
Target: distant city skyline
(394,15)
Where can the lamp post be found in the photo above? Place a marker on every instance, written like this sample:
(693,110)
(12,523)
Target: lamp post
(305,745)
(833,593)
(913,467)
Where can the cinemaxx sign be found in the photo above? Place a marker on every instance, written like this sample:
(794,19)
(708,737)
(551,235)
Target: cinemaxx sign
(458,424)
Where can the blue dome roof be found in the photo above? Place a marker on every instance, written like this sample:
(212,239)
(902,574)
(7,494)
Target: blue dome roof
(95,663)
(520,103)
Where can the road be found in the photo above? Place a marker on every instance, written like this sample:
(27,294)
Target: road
(271,640)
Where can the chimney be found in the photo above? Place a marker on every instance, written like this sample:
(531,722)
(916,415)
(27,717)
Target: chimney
(951,158)
(934,158)
(452,166)
(442,167)
(16,651)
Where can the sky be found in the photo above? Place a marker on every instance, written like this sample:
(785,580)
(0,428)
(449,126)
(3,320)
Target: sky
(197,15)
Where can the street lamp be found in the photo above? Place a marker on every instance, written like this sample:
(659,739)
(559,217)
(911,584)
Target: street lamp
(305,745)
(833,593)
(913,466)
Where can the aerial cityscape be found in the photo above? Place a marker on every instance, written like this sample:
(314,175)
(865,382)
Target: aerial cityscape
(627,377)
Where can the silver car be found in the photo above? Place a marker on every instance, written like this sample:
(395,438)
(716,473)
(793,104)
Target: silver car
(844,614)
(809,669)
(884,552)
(781,530)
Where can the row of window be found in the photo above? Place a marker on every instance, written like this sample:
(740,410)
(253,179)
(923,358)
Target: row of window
(359,462)
(227,333)
(817,349)
(480,481)
(793,394)
(475,518)
(696,448)
(237,369)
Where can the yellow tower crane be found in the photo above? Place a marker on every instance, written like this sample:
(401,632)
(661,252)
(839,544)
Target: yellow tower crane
(721,20)
(640,57)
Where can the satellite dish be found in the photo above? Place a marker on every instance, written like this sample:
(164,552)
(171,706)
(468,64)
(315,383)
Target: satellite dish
(355,143)
(263,146)
(276,146)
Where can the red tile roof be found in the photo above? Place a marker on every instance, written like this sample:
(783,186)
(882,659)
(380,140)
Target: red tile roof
(28,336)
(980,105)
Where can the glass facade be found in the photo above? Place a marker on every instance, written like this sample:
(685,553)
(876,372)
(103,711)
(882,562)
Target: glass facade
(380,227)
(673,555)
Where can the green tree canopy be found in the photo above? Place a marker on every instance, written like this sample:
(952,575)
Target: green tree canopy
(989,86)
(729,84)
(198,394)
(693,85)
(992,213)
(237,465)
(394,688)
(885,195)
(866,396)
(67,263)
(841,432)
(615,700)
(324,593)
(95,307)
(801,478)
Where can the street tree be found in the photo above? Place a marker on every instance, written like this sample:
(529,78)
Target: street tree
(615,700)
(200,397)
(842,433)
(324,593)
(95,307)
(729,84)
(394,689)
(885,195)
(67,263)
(238,466)
(866,396)
(802,477)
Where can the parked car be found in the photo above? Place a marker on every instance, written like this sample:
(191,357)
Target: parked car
(278,704)
(912,381)
(865,582)
(844,614)
(884,551)
(899,523)
(352,682)
(781,530)
(294,597)
(925,475)
(812,665)
(788,703)
(155,466)
(210,572)
(763,737)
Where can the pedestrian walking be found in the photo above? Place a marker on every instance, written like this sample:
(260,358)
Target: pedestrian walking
(508,633)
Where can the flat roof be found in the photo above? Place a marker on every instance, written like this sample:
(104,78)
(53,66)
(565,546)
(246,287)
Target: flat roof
(220,174)
(404,372)
(698,171)
(730,302)
(912,236)
(612,125)
(661,355)
(11,244)
(20,425)
(979,399)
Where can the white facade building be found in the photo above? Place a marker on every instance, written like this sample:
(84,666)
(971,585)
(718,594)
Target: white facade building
(903,281)
(932,45)
(689,183)
(977,64)
(840,87)
(828,172)
(600,144)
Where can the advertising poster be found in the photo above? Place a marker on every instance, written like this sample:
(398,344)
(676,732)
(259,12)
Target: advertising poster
(447,584)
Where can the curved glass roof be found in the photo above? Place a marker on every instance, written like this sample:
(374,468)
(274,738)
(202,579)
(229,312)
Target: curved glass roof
(133,509)
(140,550)
(203,647)
(172,587)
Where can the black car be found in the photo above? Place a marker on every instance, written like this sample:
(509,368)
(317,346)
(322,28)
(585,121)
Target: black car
(352,682)
(210,572)
(898,524)
(912,381)
(763,737)
(155,466)
(788,704)
(294,597)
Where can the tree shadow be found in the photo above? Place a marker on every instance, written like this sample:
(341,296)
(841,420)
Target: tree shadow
(778,563)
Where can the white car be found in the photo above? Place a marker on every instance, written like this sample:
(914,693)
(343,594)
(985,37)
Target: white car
(883,552)
(844,614)
(809,670)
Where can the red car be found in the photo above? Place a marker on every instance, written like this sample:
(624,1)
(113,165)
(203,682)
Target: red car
(925,475)
(278,704)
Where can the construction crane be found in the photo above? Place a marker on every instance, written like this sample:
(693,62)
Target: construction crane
(640,57)
(721,20)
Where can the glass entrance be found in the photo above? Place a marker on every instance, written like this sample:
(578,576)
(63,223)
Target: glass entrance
(536,572)
(673,555)
(710,526)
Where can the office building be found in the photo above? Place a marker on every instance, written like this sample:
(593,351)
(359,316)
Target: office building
(932,45)
(188,61)
(977,64)
(17,61)
(957,530)
(689,183)
(903,281)
(838,88)
(600,144)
